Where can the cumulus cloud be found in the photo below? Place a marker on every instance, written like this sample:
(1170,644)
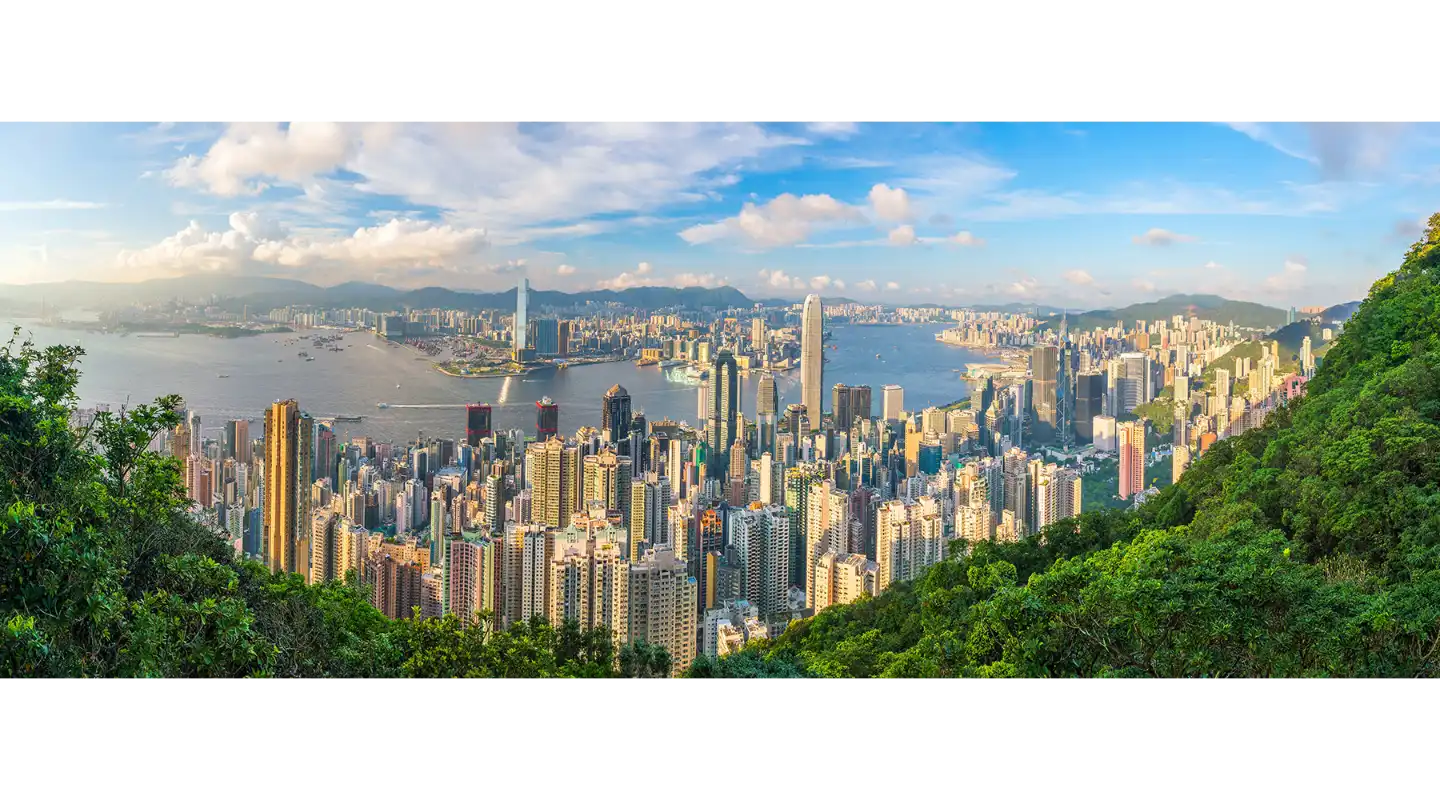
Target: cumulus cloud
(891,205)
(866,285)
(1159,237)
(903,236)
(778,279)
(785,220)
(966,239)
(564,270)
(644,275)
(1144,285)
(821,282)
(504,177)
(1290,277)
(1079,277)
(253,239)
(892,286)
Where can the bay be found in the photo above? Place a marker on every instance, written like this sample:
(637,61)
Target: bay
(262,369)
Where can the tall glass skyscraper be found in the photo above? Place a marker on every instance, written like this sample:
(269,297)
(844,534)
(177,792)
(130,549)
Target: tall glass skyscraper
(522,297)
(812,359)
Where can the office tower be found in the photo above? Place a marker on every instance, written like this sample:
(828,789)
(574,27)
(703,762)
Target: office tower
(812,358)
(827,526)
(1130,440)
(472,577)
(555,482)
(237,433)
(589,583)
(798,422)
(860,404)
(1089,404)
(289,436)
(1044,366)
(767,397)
(615,418)
(720,421)
(1135,387)
(1290,316)
(496,491)
(544,337)
(760,540)
(663,602)
(547,419)
(892,402)
(1307,358)
(757,335)
(1104,430)
(798,482)
(477,423)
(522,327)
(1182,389)
(840,406)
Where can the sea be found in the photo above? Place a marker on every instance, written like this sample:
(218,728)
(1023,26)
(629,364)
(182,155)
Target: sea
(422,402)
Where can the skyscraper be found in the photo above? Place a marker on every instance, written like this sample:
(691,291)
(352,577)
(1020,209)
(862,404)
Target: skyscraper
(477,423)
(615,418)
(1044,366)
(1131,444)
(767,403)
(812,358)
(288,442)
(522,297)
(720,424)
(547,419)
(1089,404)
(1133,387)
(840,406)
(892,402)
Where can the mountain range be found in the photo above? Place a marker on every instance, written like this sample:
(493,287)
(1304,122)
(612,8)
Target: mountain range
(1203,306)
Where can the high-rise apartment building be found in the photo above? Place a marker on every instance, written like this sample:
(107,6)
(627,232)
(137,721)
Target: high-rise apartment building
(662,606)
(812,358)
(555,482)
(289,435)
(1130,441)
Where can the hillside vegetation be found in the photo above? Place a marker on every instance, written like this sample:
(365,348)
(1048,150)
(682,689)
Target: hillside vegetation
(102,573)
(1308,547)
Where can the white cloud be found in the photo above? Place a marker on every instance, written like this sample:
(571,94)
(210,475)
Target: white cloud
(1079,277)
(644,275)
(966,239)
(564,270)
(785,220)
(837,129)
(253,240)
(892,286)
(49,205)
(1159,237)
(903,236)
(1144,285)
(891,205)
(777,279)
(820,282)
(499,176)
(1213,265)
(1290,277)
(866,285)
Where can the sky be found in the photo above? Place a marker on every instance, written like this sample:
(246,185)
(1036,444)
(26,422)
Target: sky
(1075,215)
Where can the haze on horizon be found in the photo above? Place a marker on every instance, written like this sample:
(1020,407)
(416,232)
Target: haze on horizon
(1084,215)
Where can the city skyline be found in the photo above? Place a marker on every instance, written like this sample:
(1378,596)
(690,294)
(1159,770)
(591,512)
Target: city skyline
(1088,215)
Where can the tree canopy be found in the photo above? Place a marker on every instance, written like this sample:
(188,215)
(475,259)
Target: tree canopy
(104,574)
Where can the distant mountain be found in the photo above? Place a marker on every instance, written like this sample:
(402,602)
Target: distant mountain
(261,294)
(1339,313)
(1203,306)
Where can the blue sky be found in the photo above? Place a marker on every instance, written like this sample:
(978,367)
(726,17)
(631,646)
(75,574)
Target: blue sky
(1080,215)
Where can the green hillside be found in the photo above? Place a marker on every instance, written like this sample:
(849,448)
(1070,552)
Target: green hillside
(1202,306)
(1308,547)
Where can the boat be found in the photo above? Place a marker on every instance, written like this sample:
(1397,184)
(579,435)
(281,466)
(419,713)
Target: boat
(382,405)
(222,376)
(877,355)
(341,418)
(397,386)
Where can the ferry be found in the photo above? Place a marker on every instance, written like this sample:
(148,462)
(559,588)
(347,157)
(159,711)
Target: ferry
(341,418)
(382,405)
(222,376)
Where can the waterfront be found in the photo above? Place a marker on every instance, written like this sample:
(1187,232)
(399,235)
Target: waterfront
(262,369)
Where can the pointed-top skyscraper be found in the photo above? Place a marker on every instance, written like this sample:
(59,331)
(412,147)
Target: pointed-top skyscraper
(812,359)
